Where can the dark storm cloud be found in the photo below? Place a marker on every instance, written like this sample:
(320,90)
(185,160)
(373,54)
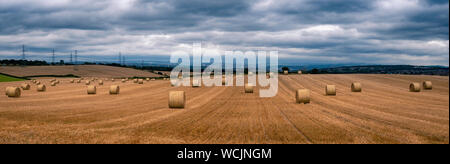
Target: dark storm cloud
(176,16)
(23,17)
(211,8)
(428,22)
(313,7)
(310,30)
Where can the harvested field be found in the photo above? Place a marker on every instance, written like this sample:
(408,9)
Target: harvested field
(384,112)
(82,71)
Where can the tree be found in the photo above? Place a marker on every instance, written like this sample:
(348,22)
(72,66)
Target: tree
(315,71)
(285,68)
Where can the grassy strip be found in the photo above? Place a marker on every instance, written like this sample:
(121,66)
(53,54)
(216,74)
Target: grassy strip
(7,78)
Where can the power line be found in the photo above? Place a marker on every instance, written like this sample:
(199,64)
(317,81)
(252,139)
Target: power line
(76,56)
(120,58)
(23,52)
(53,57)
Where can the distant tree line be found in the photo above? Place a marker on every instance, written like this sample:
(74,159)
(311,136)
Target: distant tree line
(12,62)
(313,71)
(385,69)
(369,69)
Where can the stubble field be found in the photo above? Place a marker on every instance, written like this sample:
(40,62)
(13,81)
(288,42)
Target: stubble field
(385,112)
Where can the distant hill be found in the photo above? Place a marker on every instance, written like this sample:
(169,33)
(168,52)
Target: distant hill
(386,69)
(78,70)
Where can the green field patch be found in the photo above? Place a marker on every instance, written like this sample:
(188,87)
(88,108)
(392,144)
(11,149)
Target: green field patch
(6,78)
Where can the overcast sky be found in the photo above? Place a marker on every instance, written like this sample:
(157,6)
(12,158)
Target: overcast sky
(304,31)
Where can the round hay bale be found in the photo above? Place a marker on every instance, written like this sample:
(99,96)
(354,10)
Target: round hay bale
(114,89)
(177,99)
(195,83)
(92,89)
(330,90)
(72,81)
(6,91)
(250,73)
(147,79)
(13,91)
(53,84)
(38,83)
(41,88)
(78,81)
(248,88)
(25,86)
(285,72)
(141,81)
(356,87)
(87,82)
(427,85)
(224,81)
(123,80)
(414,87)
(173,83)
(135,80)
(153,79)
(299,72)
(113,80)
(100,82)
(303,96)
